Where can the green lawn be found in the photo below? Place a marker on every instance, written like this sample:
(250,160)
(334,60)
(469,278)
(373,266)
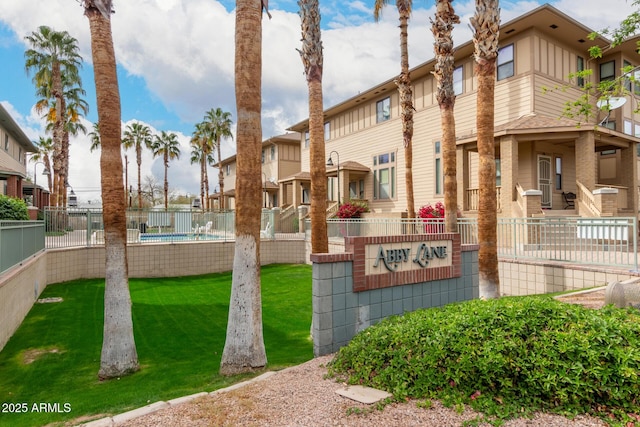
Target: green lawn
(179,328)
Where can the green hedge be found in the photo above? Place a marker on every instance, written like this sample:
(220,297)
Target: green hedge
(12,208)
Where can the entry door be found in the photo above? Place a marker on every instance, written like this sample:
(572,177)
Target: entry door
(544,180)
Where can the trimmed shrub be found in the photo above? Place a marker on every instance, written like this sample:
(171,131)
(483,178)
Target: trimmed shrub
(12,208)
(506,357)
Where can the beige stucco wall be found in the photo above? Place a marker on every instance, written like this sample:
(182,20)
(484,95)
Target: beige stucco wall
(166,260)
(20,287)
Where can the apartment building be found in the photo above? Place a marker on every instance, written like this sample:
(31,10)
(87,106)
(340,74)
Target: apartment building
(542,159)
(280,165)
(14,146)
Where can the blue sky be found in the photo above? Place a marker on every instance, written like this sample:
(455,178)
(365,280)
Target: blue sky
(175,62)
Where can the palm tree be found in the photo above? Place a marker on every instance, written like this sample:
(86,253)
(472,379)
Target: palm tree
(312,60)
(486,23)
(218,123)
(45,145)
(119,356)
(406,94)
(166,145)
(54,59)
(138,136)
(201,154)
(244,344)
(94,137)
(443,47)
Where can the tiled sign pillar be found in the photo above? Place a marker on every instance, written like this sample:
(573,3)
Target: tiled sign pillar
(345,303)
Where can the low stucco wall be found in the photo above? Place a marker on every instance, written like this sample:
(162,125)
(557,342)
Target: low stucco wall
(167,259)
(20,287)
(518,278)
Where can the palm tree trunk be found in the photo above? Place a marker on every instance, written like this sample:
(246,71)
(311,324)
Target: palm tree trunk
(220,178)
(443,47)
(312,60)
(486,22)
(166,181)
(119,356)
(139,162)
(244,349)
(406,107)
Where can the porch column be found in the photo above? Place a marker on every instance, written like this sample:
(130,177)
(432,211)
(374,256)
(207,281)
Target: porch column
(509,173)
(12,187)
(586,160)
(296,193)
(282,194)
(629,175)
(462,175)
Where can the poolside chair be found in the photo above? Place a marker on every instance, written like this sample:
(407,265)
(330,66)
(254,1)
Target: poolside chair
(267,233)
(207,228)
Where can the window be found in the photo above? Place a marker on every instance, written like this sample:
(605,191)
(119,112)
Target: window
(558,173)
(636,131)
(438,166)
(457,81)
(305,195)
(628,127)
(384,176)
(306,139)
(383,110)
(6,142)
(580,66)
(327,131)
(607,71)
(505,62)
(228,168)
(262,157)
(273,152)
(498,173)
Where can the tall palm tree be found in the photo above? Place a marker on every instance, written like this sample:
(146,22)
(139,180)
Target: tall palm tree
(441,28)
(406,94)
(201,154)
(75,107)
(53,58)
(486,23)
(244,344)
(137,135)
(166,145)
(45,145)
(312,60)
(119,356)
(218,123)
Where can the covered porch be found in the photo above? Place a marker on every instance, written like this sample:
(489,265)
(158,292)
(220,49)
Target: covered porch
(555,167)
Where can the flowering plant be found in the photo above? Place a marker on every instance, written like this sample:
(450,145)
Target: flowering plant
(433,217)
(352,210)
(429,211)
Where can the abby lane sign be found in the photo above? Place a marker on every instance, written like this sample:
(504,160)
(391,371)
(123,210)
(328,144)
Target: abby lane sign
(384,261)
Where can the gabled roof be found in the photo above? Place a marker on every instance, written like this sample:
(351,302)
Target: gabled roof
(289,138)
(545,19)
(7,123)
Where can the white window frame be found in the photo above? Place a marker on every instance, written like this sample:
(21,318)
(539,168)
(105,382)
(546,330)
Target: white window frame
(505,64)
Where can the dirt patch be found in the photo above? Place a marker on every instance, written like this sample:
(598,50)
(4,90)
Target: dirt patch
(31,355)
(49,300)
(591,299)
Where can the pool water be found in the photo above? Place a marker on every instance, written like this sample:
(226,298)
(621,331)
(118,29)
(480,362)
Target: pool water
(175,237)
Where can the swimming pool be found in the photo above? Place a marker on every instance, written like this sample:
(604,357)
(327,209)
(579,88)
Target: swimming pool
(176,237)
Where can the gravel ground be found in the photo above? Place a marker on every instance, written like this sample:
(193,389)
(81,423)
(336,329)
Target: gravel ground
(301,396)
